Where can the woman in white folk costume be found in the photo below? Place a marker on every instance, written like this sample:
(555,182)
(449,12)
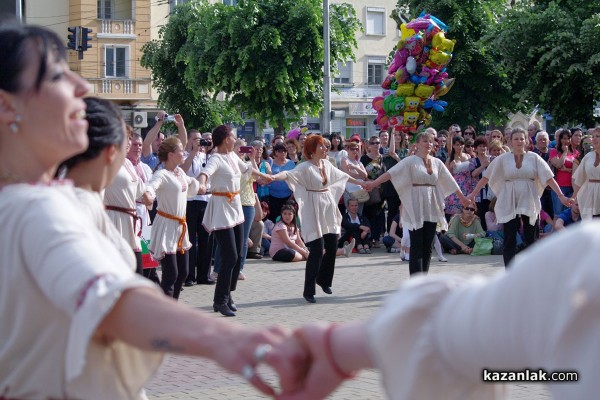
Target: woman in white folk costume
(75,319)
(518,180)
(169,240)
(422,182)
(586,180)
(224,216)
(121,199)
(318,185)
(93,170)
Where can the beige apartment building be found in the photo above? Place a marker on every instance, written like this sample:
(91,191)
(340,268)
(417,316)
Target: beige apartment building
(120,28)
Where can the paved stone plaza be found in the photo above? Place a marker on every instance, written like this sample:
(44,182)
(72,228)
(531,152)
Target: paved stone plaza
(272,294)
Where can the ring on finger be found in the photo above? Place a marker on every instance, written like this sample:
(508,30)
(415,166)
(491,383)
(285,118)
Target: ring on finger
(248,372)
(261,352)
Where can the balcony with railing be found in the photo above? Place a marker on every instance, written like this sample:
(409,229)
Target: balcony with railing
(122,88)
(116,19)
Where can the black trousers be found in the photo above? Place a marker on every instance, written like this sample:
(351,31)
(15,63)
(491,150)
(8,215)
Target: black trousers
(174,272)
(354,232)
(139,269)
(420,248)
(230,242)
(202,242)
(482,207)
(319,266)
(510,236)
(393,202)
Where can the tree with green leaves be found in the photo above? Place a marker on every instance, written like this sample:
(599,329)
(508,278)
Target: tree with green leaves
(551,56)
(266,56)
(164,59)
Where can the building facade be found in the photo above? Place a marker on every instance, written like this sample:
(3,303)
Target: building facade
(359,82)
(120,28)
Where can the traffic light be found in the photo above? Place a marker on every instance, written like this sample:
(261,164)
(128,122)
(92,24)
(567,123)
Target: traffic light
(73,43)
(86,38)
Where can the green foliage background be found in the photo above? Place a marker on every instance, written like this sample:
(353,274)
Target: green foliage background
(265,55)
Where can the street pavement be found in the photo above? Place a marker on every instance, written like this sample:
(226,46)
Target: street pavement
(272,294)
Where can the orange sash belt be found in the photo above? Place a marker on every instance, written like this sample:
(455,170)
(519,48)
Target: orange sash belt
(229,195)
(181,221)
(129,211)
(594,180)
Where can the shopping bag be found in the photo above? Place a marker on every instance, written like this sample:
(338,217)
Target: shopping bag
(483,246)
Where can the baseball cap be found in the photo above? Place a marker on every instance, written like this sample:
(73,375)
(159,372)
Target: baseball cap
(356,137)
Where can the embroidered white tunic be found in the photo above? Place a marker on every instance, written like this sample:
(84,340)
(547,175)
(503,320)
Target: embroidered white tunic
(123,192)
(317,203)
(588,196)
(172,188)
(436,334)
(54,295)
(224,172)
(94,208)
(518,190)
(422,195)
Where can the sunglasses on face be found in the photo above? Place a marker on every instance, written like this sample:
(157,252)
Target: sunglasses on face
(470,209)
(375,143)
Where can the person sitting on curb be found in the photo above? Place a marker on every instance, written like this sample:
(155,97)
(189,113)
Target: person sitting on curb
(286,243)
(567,217)
(463,230)
(357,227)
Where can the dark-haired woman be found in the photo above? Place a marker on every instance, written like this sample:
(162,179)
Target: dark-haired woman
(279,192)
(102,328)
(458,165)
(169,242)
(318,185)
(477,166)
(93,170)
(286,242)
(337,149)
(224,215)
(562,159)
(518,180)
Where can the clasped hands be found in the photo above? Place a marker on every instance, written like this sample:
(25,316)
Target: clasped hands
(302,359)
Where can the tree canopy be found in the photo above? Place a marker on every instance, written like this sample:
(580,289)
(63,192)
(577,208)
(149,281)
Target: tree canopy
(517,57)
(551,56)
(266,56)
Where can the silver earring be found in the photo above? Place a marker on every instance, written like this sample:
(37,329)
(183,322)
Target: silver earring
(14,128)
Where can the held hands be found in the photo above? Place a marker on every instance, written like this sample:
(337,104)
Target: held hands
(566,201)
(202,189)
(467,200)
(303,361)
(147,199)
(368,185)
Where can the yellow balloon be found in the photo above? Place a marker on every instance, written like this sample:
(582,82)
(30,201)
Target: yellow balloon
(405,33)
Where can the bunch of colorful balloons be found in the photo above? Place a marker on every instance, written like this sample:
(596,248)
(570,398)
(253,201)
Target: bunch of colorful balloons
(416,77)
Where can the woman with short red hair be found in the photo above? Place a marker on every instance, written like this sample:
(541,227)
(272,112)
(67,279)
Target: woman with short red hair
(318,185)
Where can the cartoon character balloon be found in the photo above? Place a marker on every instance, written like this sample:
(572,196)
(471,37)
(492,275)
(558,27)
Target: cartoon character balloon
(417,76)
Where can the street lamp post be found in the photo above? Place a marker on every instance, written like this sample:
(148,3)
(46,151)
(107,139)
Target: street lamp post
(326,71)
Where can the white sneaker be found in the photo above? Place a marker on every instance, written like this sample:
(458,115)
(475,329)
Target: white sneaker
(214,276)
(348,248)
(407,257)
(442,259)
(241,277)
